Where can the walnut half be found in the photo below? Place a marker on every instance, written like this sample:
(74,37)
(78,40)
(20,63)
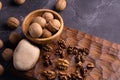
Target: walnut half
(48,74)
(64,76)
(62,64)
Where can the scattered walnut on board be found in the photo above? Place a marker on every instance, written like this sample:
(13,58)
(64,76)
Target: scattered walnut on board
(0,5)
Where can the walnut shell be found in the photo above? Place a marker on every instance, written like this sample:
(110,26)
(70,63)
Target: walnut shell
(12,22)
(19,2)
(46,33)
(53,25)
(48,16)
(1,43)
(7,54)
(60,5)
(0,5)
(1,69)
(35,30)
(40,20)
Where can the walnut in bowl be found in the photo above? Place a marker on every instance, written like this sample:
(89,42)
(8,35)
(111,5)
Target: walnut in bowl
(54,26)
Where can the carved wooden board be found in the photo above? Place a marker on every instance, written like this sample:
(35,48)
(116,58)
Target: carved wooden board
(104,54)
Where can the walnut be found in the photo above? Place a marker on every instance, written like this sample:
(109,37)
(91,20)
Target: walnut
(1,43)
(14,37)
(79,58)
(90,65)
(69,50)
(76,76)
(19,2)
(47,61)
(82,71)
(59,52)
(62,44)
(80,51)
(63,76)
(60,5)
(62,64)
(7,54)
(48,74)
(75,50)
(79,64)
(47,48)
(1,70)
(46,56)
(85,51)
(46,33)
(48,16)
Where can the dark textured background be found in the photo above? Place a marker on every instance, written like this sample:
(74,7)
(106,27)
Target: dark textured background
(97,17)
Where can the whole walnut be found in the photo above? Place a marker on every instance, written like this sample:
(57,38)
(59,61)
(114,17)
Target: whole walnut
(40,20)
(35,30)
(53,25)
(48,16)
(7,54)
(19,2)
(1,69)
(0,5)
(14,37)
(12,22)
(46,33)
(1,43)
(60,5)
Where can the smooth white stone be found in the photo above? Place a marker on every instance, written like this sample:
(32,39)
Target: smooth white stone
(25,55)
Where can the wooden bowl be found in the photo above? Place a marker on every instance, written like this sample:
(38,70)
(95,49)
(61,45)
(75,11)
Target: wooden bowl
(28,19)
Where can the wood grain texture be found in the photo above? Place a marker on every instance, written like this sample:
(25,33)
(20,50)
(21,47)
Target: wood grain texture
(104,54)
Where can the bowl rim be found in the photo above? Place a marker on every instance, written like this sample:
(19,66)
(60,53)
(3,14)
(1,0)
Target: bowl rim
(43,39)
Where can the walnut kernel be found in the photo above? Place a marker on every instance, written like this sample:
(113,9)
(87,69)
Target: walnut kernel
(19,2)
(48,74)
(62,64)
(1,69)
(0,5)
(46,33)
(60,5)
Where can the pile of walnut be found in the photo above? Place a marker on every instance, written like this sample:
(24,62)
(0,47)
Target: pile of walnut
(44,26)
(48,25)
(62,64)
